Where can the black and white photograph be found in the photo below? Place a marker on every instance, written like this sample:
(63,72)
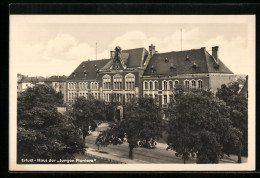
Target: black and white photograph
(132,93)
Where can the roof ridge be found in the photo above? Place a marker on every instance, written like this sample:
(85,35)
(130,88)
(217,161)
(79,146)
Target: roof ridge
(205,58)
(179,51)
(96,60)
(133,48)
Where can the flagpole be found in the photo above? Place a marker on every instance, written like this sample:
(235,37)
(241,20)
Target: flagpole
(96,50)
(181,39)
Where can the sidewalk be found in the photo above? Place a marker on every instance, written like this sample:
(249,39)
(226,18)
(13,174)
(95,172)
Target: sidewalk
(162,146)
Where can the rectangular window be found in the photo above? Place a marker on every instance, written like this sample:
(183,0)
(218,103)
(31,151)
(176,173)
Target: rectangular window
(156,98)
(171,98)
(165,85)
(164,99)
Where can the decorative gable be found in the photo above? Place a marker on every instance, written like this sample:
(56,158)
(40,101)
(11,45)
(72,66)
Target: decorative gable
(119,60)
(117,66)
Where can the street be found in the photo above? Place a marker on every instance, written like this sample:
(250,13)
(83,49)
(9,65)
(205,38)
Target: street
(157,155)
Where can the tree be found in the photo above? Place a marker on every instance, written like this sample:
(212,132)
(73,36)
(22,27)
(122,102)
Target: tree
(225,92)
(141,121)
(198,125)
(85,112)
(238,115)
(42,132)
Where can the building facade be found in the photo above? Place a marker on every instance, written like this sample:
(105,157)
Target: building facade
(24,82)
(115,79)
(58,83)
(138,72)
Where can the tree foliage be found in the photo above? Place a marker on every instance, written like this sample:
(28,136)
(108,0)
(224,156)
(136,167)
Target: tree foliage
(199,125)
(226,92)
(238,115)
(142,120)
(42,132)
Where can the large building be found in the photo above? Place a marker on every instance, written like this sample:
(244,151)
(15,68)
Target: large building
(132,73)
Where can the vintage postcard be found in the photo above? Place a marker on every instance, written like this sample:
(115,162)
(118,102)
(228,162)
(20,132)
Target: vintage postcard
(132,93)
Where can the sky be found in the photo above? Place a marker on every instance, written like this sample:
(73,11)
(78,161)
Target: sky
(56,45)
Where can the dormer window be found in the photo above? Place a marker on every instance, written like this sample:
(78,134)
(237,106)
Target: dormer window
(95,66)
(83,66)
(74,74)
(216,66)
(85,73)
(195,66)
(97,72)
(152,69)
(166,60)
(172,68)
(187,58)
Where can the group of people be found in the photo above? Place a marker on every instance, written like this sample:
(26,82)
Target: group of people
(151,143)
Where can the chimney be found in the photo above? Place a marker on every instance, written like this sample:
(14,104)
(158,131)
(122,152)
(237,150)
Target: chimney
(215,53)
(112,54)
(152,50)
(203,48)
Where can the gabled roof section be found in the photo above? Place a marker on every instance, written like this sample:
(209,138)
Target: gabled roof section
(184,62)
(211,62)
(55,78)
(87,70)
(136,57)
(130,58)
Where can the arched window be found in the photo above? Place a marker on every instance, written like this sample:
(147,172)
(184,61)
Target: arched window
(165,85)
(80,86)
(146,85)
(187,84)
(156,86)
(106,82)
(171,85)
(193,84)
(151,85)
(200,83)
(74,87)
(118,82)
(176,82)
(130,81)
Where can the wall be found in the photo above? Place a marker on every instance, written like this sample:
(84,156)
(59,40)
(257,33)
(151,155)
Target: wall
(216,80)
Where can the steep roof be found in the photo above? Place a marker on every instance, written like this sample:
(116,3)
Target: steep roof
(130,58)
(135,57)
(90,68)
(55,78)
(184,62)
